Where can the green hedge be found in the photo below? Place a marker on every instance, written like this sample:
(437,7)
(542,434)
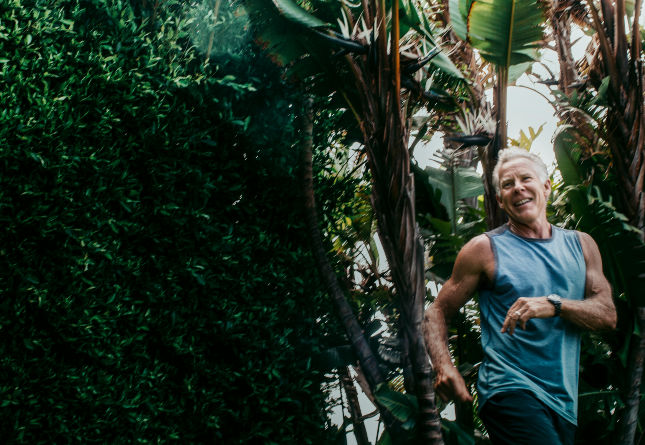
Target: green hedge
(155,283)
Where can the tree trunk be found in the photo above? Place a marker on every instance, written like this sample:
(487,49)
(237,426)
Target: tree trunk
(625,121)
(385,132)
(366,357)
(354,407)
(495,216)
(633,395)
(561,23)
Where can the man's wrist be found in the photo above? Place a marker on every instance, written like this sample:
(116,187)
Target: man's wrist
(556,301)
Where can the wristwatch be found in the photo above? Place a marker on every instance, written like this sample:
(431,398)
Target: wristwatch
(556,301)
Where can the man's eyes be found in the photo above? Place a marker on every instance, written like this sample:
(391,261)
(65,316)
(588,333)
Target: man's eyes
(508,184)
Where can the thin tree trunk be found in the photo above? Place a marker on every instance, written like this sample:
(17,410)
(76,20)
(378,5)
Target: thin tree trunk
(366,357)
(633,396)
(385,136)
(489,155)
(354,407)
(561,23)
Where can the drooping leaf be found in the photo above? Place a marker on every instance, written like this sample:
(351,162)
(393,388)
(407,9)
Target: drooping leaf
(459,16)
(516,71)
(403,407)
(455,184)
(567,155)
(506,32)
(295,13)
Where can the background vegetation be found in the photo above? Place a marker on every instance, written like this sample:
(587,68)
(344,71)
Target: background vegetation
(156,282)
(156,277)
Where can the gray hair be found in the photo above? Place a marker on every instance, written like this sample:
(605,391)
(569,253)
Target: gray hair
(512,153)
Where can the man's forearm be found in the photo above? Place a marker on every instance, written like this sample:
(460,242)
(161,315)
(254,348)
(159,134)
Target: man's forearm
(435,332)
(592,314)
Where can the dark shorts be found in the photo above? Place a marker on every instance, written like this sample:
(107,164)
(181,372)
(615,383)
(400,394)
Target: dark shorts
(518,417)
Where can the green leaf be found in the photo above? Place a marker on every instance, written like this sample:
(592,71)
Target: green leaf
(296,14)
(443,63)
(601,97)
(458,17)
(506,32)
(403,407)
(455,434)
(457,184)
(408,16)
(567,155)
(385,439)
(516,71)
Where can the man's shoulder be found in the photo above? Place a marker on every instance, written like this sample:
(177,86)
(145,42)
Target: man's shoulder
(477,258)
(478,247)
(583,237)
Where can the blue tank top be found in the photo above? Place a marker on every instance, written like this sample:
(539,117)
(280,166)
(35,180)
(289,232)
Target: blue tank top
(544,358)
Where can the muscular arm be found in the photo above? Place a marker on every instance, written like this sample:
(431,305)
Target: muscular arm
(596,312)
(466,275)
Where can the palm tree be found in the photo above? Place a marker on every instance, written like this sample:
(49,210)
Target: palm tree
(382,84)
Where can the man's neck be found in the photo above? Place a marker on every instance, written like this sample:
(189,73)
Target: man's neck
(538,230)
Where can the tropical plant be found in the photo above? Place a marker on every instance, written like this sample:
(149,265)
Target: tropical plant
(506,34)
(584,205)
(384,51)
(600,99)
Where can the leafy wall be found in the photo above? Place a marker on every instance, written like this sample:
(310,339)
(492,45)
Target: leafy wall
(155,284)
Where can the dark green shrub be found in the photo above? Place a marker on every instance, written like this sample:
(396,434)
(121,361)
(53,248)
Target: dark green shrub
(155,282)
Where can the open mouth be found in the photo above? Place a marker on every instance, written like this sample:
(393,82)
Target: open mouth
(522,202)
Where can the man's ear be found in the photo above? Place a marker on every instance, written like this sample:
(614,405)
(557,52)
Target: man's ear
(547,188)
(499,201)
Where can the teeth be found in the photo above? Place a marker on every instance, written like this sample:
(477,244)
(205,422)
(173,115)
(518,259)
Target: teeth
(524,201)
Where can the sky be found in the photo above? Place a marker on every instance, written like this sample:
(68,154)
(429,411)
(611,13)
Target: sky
(527,107)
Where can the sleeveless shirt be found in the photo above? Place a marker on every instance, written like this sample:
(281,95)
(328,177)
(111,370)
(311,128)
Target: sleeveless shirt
(544,358)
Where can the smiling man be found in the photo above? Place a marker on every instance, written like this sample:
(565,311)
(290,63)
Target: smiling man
(538,285)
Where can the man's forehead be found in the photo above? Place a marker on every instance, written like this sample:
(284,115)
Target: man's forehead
(515,166)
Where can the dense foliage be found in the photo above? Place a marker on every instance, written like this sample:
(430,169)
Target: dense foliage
(155,284)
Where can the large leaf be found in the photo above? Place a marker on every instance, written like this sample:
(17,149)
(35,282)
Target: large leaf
(455,184)
(455,435)
(506,32)
(295,13)
(403,407)
(282,37)
(568,155)
(459,16)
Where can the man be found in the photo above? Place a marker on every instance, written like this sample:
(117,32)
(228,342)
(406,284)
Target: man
(538,285)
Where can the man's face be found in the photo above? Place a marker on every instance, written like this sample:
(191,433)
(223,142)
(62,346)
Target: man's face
(522,195)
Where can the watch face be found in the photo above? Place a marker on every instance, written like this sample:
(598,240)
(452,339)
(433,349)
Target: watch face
(556,302)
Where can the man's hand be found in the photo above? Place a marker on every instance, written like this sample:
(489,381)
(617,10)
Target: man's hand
(449,385)
(524,309)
